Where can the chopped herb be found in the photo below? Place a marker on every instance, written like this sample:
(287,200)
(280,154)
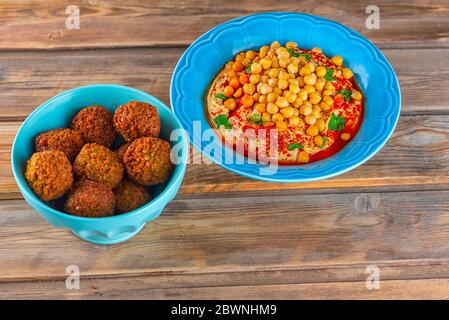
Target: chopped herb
(255,118)
(329,75)
(248,69)
(294,146)
(346,94)
(221,96)
(324,142)
(336,123)
(222,120)
(298,54)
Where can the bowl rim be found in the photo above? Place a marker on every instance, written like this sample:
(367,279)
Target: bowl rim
(177,174)
(278,14)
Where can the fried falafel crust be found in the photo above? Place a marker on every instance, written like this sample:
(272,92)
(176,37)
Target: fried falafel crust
(49,174)
(95,123)
(129,196)
(90,199)
(147,161)
(97,163)
(137,119)
(121,150)
(66,140)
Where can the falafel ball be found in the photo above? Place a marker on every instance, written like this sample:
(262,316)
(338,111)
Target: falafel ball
(97,163)
(137,119)
(121,150)
(147,161)
(96,125)
(90,199)
(129,196)
(66,140)
(49,174)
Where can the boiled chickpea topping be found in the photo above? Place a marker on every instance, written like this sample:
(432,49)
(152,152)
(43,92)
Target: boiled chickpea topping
(285,86)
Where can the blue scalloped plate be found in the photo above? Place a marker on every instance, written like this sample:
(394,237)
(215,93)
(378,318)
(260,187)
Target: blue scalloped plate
(207,55)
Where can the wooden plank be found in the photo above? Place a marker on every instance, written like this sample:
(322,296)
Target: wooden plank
(29,78)
(138,289)
(41,24)
(247,234)
(416,155)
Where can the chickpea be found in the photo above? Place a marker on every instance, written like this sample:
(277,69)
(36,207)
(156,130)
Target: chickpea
(294,88)
(291,44)
(246,62)
(254,79)
(357,95)
(328,100)
(273,73)
(275,62)
(303,71)
(238,93)
(256,68)
(293,81)
(247,101)
(311,67)
(301,83)
(249,88)
(256,96)
(268,124)
(324,106)
(278,91)
(264,78)
(347,73)
(263,99)
(329,86)
(271,97)
(287,112)
(282,52)
(292,68)
(314,98)
(294,120)
(303,157)
(295,111)
(234,82)
(345,136)
(272,108)
(277,117)
(290,96)
(309,88)
(273,82)
(228,91)
(321,125)
(303,94)
(239,57)
(283,75)
(282,84)
(310,79)
(263,51)
(283,62)
(338,60)
(237,66)
(316,111)
(281,102)
(260,107)
(310,120)
(312,131)
(316,49)
(231,73)
(320,71)
(328,92)
(294,60)
(281,125)
(266,63)
(266,117)
(318,140)
(298,102)
(230,104)
(250,55)
(319,85)
(275,45)
(305,110)
(243,79)
(265,88)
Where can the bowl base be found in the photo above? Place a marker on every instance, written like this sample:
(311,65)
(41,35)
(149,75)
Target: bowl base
(97,240)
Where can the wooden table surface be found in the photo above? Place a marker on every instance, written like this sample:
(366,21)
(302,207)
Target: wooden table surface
(225,236)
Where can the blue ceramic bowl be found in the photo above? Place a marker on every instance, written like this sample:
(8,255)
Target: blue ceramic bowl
(208,54)
(57,113)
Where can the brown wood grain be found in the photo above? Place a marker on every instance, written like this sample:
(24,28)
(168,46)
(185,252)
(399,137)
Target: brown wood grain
(246,234)
(29,78)
(41,24)
(416,155)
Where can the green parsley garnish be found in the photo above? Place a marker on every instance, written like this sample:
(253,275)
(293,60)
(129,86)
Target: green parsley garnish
(248,69)
(255,118)
(346,94)
(336,123)
(221,96)
(294,146)
(324,142)
(222,120)
(329,75)
(298,54)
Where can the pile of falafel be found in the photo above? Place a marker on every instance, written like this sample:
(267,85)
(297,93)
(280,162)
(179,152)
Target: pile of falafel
(77,164)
